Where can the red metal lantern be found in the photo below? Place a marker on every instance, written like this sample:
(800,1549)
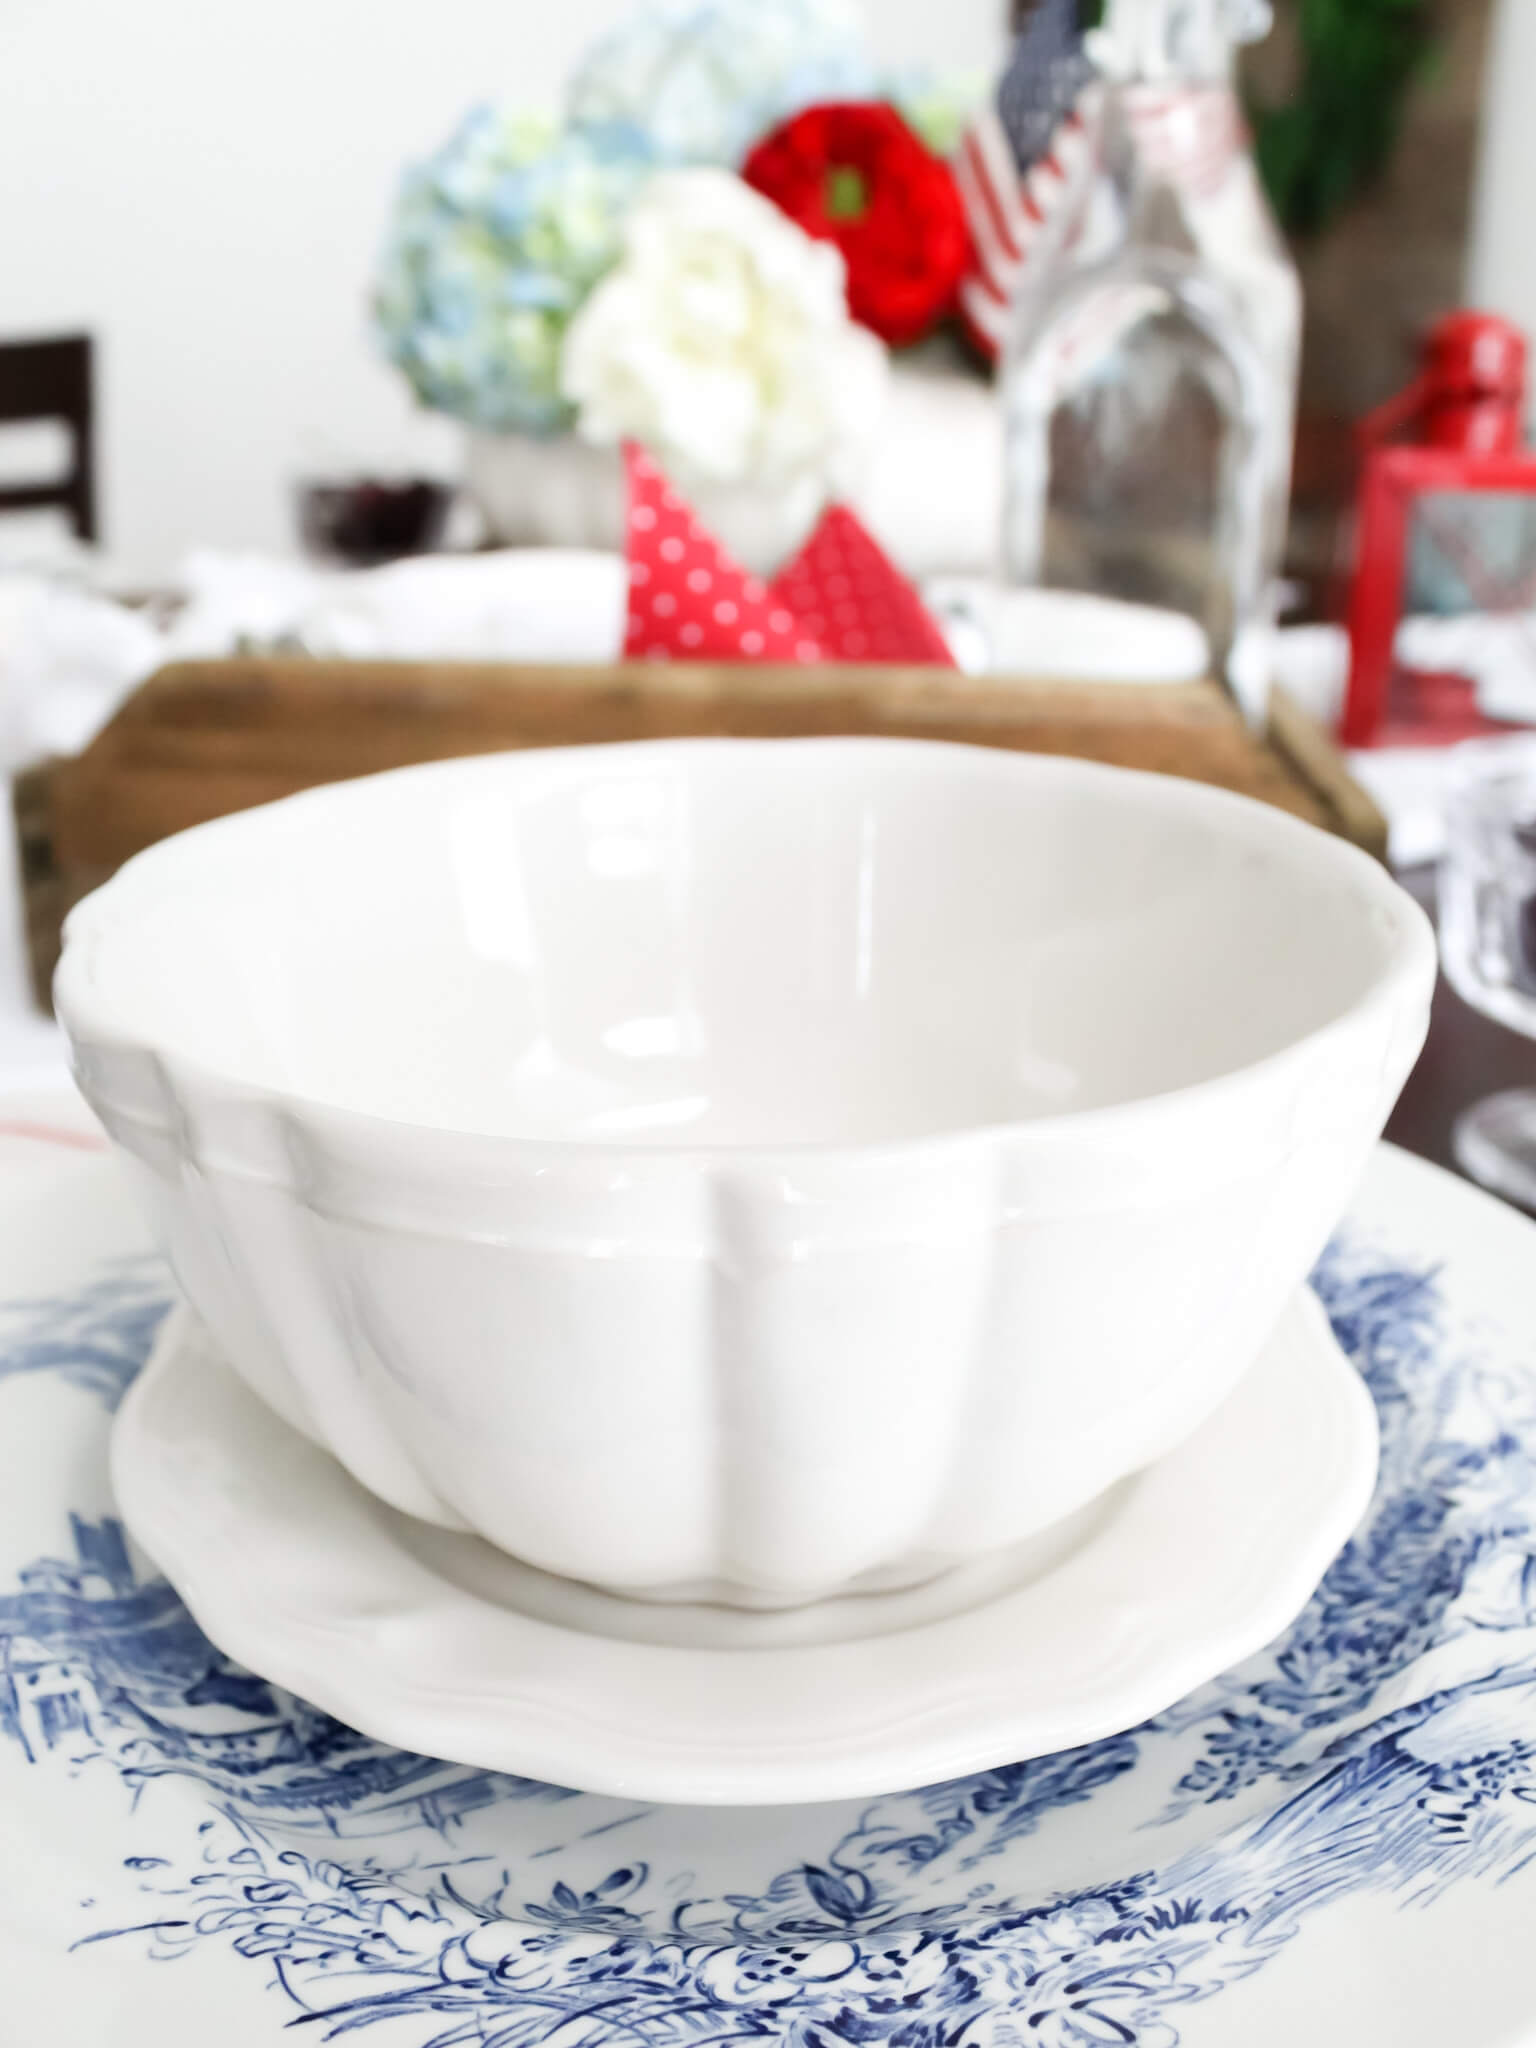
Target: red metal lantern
(1466,409)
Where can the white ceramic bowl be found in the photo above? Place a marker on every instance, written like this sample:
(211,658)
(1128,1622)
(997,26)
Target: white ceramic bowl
(753,1170)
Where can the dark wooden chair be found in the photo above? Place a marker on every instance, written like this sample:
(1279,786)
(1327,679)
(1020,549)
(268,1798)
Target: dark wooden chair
(52,380)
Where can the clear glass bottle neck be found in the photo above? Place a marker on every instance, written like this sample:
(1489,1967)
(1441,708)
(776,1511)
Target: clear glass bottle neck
(1174,41)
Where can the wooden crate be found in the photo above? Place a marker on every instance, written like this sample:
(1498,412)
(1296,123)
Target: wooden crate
(201,739)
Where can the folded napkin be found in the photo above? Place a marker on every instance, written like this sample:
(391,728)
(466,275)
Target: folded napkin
(839,599)
(530,604)
(68,657)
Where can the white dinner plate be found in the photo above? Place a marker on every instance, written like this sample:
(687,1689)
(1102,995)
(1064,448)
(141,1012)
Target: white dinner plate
(1334,1843)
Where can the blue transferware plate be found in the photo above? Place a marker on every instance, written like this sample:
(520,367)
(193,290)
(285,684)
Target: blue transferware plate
(1334,1844)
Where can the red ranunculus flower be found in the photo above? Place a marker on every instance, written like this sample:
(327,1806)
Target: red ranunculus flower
(858,176)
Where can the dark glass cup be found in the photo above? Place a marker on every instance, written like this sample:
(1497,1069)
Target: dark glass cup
(364,521)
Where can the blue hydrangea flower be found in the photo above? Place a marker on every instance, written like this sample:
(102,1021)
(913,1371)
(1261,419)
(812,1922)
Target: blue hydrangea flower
(496,242)
(699,81)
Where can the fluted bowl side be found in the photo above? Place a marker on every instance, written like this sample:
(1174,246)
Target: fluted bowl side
(749,1170)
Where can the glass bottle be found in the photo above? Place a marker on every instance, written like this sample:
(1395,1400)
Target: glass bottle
(1150,386)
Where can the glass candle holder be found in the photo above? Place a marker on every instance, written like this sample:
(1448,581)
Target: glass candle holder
(1488,942)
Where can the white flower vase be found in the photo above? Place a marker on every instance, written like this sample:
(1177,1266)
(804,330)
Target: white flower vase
(562,492)
(545,491)
(931,490)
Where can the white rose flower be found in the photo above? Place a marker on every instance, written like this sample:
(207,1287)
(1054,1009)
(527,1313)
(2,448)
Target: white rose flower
(722,341)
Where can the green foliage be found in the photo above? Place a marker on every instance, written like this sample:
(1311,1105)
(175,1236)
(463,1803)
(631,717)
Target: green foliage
(1326,143)
(1358,59)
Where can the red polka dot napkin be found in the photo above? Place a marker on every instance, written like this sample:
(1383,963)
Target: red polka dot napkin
(840,599)
(844,590)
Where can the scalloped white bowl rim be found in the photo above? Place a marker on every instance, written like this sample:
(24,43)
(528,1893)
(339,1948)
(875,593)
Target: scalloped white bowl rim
(87,1011)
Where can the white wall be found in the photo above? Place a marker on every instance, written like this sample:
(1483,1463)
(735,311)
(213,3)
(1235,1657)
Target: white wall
(203,185)
(1501,257)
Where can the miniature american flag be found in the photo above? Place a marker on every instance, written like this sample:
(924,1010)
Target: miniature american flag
(1017,161)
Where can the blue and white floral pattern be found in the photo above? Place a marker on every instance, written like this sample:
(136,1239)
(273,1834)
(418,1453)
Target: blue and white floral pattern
(1385,1745)
(96,1339)
(496,241)
(700,81)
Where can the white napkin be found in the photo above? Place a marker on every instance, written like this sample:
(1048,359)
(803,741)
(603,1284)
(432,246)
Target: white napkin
(229,601)
(518,604)
(68,657)
(1498,652)
(1065,634)
(528,604)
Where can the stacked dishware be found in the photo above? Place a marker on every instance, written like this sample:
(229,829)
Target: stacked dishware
(769,1283)
(746,1272)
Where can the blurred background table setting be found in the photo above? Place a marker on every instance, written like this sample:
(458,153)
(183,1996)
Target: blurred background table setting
(762,470)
